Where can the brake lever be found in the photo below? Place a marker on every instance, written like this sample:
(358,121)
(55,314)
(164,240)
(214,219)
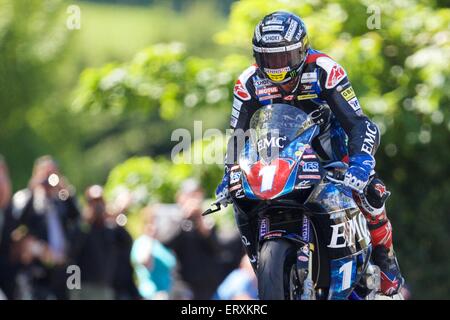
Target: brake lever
(209,211)
(218,205)
(331,178)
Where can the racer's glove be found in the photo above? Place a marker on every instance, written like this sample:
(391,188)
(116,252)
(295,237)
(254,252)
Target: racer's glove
(222,190)
(361,167)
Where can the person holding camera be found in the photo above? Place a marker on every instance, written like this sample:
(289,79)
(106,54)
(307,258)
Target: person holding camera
(48,218)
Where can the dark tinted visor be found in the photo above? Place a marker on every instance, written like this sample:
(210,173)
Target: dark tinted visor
(279,60)
(280,64)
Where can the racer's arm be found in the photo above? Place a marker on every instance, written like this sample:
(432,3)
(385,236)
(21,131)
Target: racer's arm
(363,134)
(244,105)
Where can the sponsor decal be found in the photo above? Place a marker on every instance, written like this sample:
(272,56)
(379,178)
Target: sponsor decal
(257,32)
(274,21)
(233,122)
(235,187)
(289,97)
(307,96)
(273,234)
(310,167)
(309,156)
(277,74)
(305,184)
(369,139)
(380,188)
(291,30)
(268,90)
(369,163)
(264,227)
(335,73)
(306,87)
(245,241)
(239,194)
(277,71)
(344,233)
(299,34)
(303,258)
(274,96)
(336,215)
(240,91)
(273,142)
(235,176)
(235,113)
(347,93)
(262,82)
(305,229)
(387,285)
(308,77)
(272,37)
(309,176)
(237,104)
(272,28)
(354,103)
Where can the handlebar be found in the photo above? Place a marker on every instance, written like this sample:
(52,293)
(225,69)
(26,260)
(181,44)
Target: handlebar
(216,203)
(336,176)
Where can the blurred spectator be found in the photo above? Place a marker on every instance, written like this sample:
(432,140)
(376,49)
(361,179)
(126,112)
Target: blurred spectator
(102,250)
(241,284)
(124,283)
(196,245)
(48,217)
(153,262)
(7,224)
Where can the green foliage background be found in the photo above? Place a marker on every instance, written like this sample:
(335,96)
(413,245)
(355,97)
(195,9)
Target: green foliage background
(117,88)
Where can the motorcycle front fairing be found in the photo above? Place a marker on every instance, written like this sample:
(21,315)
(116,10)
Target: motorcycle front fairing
(278,158)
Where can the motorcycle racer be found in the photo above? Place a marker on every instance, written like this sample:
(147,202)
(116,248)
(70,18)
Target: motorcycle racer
(289,71)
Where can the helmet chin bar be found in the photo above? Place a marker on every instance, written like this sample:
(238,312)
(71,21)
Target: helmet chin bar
(286,81)
(297,79)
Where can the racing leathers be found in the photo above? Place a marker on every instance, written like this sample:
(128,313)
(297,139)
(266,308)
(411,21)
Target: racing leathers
(346,134)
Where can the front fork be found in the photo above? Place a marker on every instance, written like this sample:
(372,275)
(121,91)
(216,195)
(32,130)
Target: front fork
(305,262)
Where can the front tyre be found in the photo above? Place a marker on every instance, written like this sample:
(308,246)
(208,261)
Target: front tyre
(277,258)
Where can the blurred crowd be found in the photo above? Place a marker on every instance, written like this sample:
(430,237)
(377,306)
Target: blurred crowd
(178,255)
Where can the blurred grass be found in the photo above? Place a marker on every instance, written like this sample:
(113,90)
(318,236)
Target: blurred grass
(116,32)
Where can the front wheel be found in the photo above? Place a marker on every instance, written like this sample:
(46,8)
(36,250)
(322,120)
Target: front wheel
(277,260)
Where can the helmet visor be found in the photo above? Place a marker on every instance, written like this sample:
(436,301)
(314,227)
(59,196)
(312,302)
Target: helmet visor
(280,67)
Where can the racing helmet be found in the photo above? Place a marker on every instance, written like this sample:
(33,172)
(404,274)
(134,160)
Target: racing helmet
(280,46)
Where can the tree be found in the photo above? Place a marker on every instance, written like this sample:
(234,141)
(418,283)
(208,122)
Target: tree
(33,36)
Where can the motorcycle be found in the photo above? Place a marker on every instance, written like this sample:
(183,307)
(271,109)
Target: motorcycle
(313,241)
